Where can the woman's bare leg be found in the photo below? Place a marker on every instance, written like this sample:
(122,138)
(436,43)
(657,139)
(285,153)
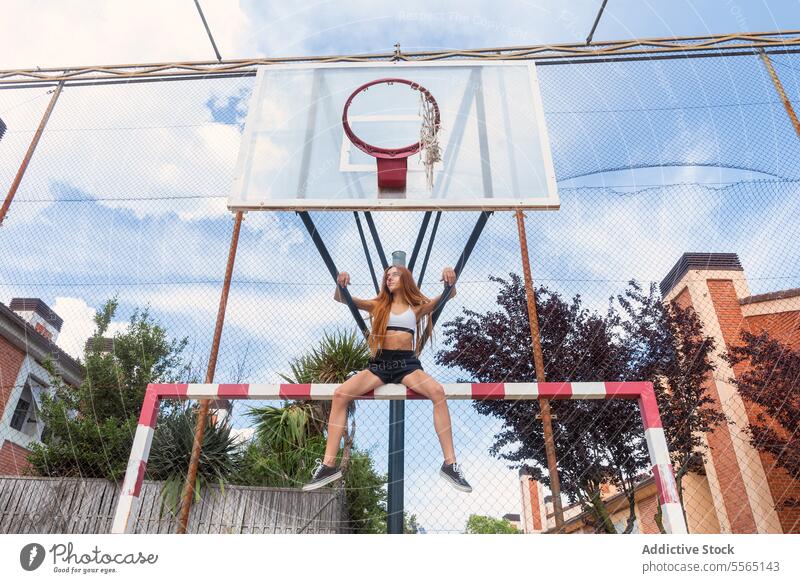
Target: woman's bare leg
(357,385)
(425,384)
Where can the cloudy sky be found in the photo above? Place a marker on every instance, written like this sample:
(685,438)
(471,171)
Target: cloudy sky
(74,32)
(126,193)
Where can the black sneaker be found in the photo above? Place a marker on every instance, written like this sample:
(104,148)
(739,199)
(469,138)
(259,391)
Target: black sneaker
(452,474)
(322,475)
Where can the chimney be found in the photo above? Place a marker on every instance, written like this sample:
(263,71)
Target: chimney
(36,313)
(106,345)
(533,517)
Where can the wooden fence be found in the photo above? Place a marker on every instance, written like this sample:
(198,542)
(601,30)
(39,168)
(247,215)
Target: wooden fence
(85,506)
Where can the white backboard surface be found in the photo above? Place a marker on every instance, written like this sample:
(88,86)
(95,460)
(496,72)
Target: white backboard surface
(294,153)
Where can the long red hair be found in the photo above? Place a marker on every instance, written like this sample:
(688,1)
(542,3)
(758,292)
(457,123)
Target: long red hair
(379,316)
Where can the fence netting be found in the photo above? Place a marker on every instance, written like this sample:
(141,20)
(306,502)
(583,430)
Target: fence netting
(120,228)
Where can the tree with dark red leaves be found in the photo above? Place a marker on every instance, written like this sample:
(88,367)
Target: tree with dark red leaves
(668,348)
(598,443)
(772,380)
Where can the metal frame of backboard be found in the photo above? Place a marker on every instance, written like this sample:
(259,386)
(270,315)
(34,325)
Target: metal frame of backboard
(550,200)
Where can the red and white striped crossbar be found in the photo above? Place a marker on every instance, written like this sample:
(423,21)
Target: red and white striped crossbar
(641,391)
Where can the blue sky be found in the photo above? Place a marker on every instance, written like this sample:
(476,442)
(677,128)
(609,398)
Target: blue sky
(112,154)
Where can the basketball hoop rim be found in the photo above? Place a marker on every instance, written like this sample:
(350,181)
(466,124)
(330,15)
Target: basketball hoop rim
(387,153)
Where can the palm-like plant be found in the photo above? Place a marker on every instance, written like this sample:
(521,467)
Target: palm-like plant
(171,451)
(288,439)
(337,357)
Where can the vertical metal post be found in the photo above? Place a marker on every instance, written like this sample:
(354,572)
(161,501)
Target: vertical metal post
(199,432)
(397,433)
(779,88)
(549,443)
(29,154)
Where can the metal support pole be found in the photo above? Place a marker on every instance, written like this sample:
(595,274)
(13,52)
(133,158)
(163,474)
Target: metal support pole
(397,432)
(422,230)
(323,251)
(596,21)
(428,250)
(208,31)
(29,154)
(376,239)
(779,88)
(366,252)
(549,442)
(199,431)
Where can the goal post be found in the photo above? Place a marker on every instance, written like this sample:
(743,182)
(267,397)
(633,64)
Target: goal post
(642,392)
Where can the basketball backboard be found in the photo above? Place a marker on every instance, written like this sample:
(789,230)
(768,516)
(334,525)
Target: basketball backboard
(295,153)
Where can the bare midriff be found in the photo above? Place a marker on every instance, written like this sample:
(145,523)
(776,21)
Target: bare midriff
(398,340)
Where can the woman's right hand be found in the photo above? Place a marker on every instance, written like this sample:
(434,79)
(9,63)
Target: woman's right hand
(343,279)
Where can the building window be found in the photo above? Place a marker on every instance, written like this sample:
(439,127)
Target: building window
(21,411)
(26,413)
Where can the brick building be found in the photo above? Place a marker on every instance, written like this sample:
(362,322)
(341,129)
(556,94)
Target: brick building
(740,490)
(28,333)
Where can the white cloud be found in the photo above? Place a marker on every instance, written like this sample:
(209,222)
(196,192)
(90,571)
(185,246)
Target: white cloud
(259,313)
(242,435)
(85,32)
(79,324)
(124,141)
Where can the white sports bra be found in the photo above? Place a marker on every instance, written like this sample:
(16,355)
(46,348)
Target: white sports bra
(406,322)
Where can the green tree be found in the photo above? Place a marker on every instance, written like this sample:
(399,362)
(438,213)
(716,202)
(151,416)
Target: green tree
(90,428)
(410,525)
(478,524)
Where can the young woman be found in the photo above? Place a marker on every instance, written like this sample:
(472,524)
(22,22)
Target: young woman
(400,314)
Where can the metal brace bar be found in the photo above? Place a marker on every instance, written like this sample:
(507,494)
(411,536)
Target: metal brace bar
(323,251)
(422,230)
(428,251)
(376,239)
(473,239)
(366,252)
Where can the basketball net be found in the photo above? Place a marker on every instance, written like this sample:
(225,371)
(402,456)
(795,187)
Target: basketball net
(428,139)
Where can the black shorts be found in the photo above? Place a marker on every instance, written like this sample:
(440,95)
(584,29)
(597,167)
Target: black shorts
(392,365)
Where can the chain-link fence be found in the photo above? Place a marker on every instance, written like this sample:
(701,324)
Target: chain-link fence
(125,198)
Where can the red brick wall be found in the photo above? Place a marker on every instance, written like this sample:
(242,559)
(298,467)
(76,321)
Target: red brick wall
(683,299)
(783,326)
(720,442)
(732,322)
(648,508)
(11,360)
(13,460)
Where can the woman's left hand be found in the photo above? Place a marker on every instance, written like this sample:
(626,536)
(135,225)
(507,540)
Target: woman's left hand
(449,275)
